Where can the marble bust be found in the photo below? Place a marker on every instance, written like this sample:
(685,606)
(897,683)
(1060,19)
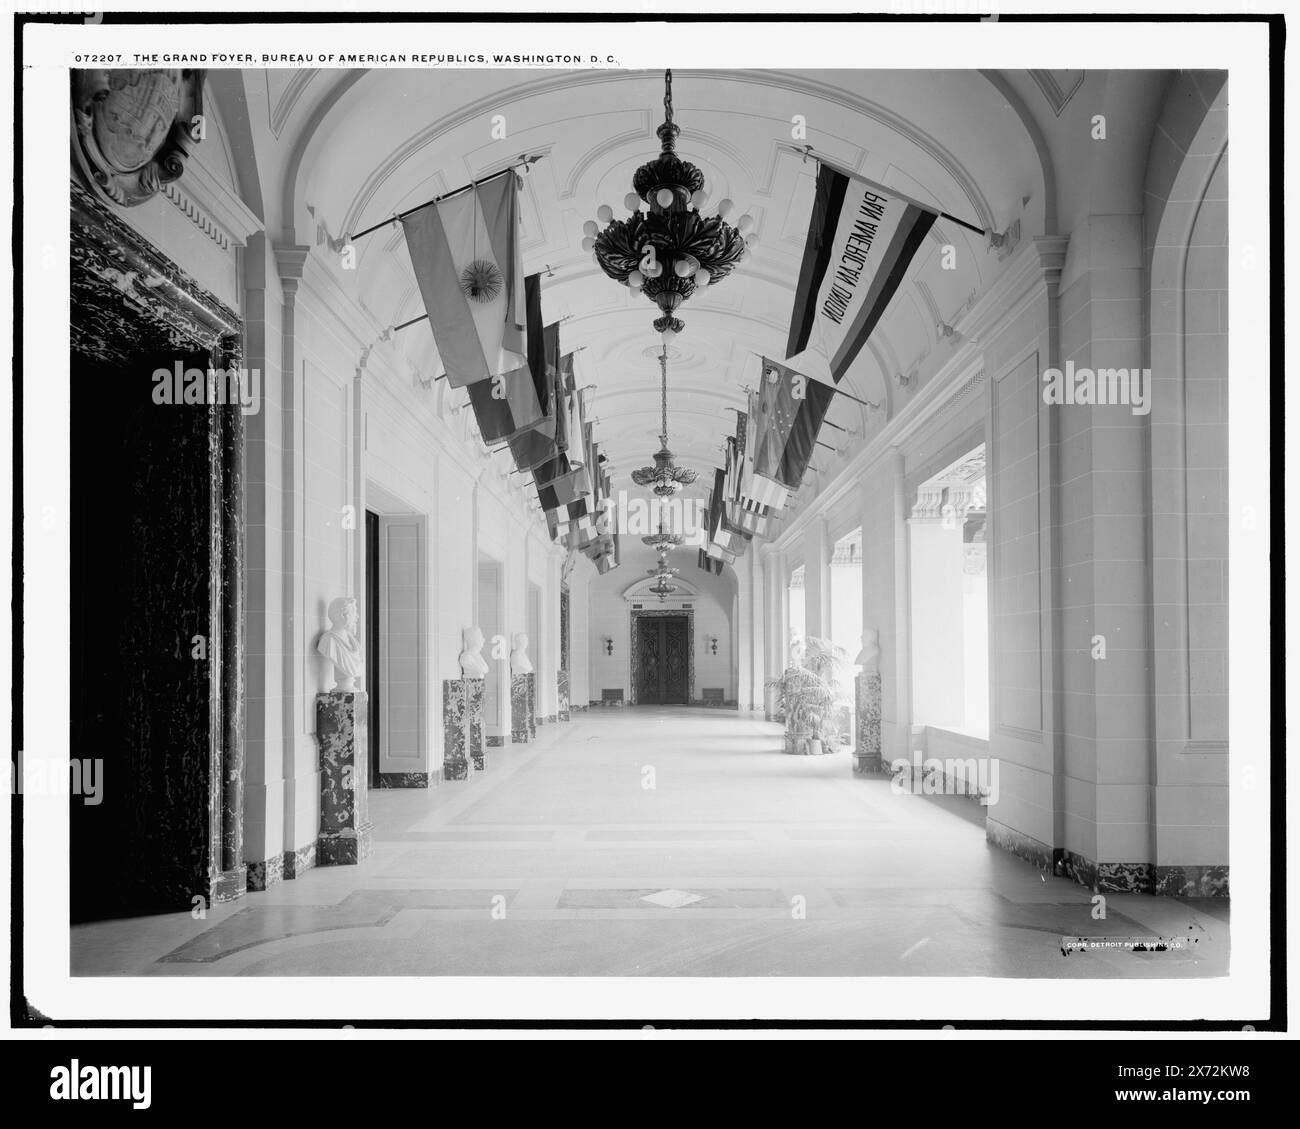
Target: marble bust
(520,663)
(869,657)
(472,663)
(341,645)
(797,649)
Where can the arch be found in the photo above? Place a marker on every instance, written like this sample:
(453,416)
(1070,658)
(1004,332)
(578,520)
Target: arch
(1186,237)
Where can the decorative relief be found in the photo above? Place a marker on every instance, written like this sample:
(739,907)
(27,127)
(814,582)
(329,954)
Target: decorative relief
(133,129)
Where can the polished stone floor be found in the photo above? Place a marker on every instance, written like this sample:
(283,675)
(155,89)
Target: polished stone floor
(666,842)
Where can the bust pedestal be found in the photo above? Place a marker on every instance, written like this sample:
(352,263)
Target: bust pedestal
(520,730)
(866,757)
(462,727)
(342,736)
(562,708)
(474,690)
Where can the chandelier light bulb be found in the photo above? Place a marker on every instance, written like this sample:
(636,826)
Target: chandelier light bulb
(702,278)
(665,197)
(744,223)
(589,244)
(682,267)
(590,228)
(698,197)
(604,213)
(751,241)
(632,202)
(724,208)
(635,280)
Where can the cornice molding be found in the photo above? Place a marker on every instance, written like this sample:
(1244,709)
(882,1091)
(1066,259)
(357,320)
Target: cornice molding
(221,204)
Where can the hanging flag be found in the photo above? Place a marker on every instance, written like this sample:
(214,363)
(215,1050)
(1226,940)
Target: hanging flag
(536,444)
(562,491)
(767,493)
(708,563)
(561,521)
(721,538)
(739,536)
(577,423)
(861,239)
(469,266)
(790,413)
(508,403)
(750,516)
(560,406)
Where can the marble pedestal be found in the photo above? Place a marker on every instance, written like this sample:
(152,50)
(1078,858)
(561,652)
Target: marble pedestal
(866,756)
(474,690)
(562,695)
(462,728)
(342,736)
(520,730)
(455,731)
(532,704)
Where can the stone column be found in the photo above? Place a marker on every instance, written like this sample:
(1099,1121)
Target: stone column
(342,734)
(744,637)
(867,758)
(817,578)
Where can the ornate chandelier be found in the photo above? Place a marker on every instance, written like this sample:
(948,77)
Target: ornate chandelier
(662,588)
(663,541)
(665,477)
(663,571)
(670,250)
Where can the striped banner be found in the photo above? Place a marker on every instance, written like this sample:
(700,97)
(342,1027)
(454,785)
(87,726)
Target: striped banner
(861,239)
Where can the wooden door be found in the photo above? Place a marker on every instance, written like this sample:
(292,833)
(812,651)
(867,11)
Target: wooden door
(663,660)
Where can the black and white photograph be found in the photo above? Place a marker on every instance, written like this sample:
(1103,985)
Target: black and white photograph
(710,520)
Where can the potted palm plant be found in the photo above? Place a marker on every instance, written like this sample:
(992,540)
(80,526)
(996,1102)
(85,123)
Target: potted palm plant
(812,699)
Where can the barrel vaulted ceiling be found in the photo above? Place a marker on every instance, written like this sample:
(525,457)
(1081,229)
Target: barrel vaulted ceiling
(367,145)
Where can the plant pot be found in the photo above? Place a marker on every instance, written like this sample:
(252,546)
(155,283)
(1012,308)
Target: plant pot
(798,742)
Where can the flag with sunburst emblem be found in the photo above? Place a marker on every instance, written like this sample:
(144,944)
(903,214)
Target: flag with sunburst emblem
(469,266)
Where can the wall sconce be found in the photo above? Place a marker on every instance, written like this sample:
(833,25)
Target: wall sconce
(712,642)
(609,644)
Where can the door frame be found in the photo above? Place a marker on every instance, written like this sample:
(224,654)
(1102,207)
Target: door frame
(634,649)
(391,509)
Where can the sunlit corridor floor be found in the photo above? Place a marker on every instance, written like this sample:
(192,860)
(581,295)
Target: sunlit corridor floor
(666,842)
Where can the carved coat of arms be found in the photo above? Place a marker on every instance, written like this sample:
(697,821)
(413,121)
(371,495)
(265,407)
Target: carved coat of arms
(133,129)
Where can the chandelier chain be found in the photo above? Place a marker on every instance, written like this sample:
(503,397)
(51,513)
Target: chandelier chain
(663,394)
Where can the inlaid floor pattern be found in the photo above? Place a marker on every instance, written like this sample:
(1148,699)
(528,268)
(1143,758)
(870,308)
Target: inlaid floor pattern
(665,842)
